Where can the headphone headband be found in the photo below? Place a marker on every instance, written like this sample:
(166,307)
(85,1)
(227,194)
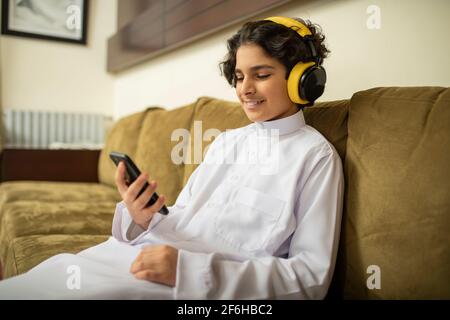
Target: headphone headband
(302,30)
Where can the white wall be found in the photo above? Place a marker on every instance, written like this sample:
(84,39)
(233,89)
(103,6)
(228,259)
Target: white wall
(47,75)
(410,49)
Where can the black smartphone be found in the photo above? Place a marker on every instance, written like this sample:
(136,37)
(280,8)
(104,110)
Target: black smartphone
(133,173)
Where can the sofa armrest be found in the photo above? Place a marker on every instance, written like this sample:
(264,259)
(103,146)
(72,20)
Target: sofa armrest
(49,165)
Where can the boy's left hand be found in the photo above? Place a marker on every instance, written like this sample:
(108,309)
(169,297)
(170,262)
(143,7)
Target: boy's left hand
(157,264)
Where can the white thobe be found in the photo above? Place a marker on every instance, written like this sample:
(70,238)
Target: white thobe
(258,219)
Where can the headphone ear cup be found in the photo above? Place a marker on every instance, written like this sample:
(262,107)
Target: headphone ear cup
(294,82)
(312,83)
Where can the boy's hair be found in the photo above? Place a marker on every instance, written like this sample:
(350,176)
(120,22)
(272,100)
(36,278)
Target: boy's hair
(278,41)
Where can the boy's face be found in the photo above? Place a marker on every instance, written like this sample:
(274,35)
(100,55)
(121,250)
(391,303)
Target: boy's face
(261,85)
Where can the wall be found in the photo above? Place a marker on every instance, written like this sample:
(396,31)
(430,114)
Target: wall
(47,75)
(408,50)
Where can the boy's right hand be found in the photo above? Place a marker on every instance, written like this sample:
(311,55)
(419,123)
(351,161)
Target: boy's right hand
(136,205)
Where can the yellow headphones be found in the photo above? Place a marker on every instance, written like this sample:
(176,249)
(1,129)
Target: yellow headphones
(306,81)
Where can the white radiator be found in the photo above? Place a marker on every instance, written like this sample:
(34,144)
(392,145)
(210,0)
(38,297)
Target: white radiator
(47,129)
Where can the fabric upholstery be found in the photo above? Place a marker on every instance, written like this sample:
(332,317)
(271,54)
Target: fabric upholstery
(24,218)
(397,202)
(45,191)
(27,252)
(330,119)
(40,207)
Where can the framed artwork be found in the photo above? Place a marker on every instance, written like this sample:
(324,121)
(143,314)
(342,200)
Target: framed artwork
(59,20)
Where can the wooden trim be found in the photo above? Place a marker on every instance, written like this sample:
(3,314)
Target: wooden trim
(168,24)
(49,165)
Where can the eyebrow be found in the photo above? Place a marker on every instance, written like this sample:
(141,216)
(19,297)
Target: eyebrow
(256,68)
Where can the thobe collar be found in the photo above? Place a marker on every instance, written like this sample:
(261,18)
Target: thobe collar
(285,125)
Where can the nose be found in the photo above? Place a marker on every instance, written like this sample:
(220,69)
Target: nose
(247,87)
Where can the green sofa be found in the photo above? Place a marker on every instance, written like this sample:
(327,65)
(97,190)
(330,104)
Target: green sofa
(395,146)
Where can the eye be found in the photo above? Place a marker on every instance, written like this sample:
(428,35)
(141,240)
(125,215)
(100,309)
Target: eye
(238,78)
(263,76)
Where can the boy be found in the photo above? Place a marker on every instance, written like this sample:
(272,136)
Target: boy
(236,231)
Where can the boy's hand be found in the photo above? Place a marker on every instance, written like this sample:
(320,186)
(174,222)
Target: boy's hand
(157,264)
(136,205)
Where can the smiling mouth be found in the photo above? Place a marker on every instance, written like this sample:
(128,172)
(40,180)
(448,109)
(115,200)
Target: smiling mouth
(253,103)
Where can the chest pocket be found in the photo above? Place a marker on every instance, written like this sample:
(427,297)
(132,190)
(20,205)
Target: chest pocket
(247,220)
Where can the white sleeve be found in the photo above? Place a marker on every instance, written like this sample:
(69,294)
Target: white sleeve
(305,274)
(125,230)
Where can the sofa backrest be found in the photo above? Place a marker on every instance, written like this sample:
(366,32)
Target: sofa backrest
(330,119)
(397,205)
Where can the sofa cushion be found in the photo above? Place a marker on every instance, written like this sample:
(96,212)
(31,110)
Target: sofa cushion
(27,252)
(123,137)
(24,218)
(397,204)
(330,119)
(40,207)
(27,217)
(46,191)
(155,145)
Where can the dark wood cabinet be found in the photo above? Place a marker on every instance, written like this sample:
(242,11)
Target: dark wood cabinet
(49,165)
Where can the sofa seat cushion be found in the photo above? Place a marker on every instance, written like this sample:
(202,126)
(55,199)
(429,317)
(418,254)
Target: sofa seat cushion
(28,217)
(396,224)
(44,191)
(25,218)
(36,207)
(27,252)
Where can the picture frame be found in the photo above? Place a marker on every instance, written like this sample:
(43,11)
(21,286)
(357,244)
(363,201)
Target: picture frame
(58,20)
